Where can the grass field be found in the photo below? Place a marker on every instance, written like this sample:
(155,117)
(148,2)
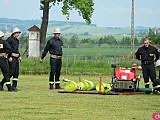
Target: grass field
(96,51)
(35,101)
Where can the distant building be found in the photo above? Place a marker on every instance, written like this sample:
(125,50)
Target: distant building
(34,41)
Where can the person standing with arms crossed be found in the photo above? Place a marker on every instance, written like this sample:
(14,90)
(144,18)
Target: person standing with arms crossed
(5,49)
(15,56)
(54,46)
(147,55)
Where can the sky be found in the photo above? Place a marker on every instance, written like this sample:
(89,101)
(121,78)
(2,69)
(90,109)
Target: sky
(107,13)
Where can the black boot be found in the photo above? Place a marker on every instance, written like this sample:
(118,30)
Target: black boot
(1,87)
(147,86)
(9,87)
(50,86)
(14,86)
(14,89)
(58,86)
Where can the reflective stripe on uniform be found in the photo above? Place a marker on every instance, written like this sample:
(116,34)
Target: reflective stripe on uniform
(51,82)
(55,56)
(158,86)
(3,54)
(57,82)
(16,79)
(147,83)
(7,83)
(15,55)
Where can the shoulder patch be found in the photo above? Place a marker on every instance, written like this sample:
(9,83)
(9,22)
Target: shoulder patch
(1,46)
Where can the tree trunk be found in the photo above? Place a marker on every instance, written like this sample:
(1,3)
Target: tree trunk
(44,26)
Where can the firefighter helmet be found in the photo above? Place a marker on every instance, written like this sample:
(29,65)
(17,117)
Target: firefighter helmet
(1,34)
(16,29)
(158,63)
(57,30)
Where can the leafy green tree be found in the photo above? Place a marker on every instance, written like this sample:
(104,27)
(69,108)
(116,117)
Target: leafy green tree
(23,40)
(107,39)
(111,40)
(126,41)
(74,41)
(84,8)
(151,35)
(86,33)
(136,41)
(154,36)
(85,40)
(101,41)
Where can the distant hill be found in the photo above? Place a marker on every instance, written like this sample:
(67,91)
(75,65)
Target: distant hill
(68,27)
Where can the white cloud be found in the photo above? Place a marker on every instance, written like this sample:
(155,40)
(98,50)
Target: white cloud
(116,10)
(7,2)
(145,11)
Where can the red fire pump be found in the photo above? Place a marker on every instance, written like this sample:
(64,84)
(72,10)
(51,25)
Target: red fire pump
(125,79)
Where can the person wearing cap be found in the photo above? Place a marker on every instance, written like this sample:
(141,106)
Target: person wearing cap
(54,46)
(147,55)
(14,65)
(5,51)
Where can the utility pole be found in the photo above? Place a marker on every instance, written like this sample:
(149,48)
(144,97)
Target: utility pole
(132,28)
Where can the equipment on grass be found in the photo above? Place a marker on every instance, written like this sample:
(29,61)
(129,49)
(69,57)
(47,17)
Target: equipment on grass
(125,79)
(105,87)
(90,85)
(71,86)
(80,86)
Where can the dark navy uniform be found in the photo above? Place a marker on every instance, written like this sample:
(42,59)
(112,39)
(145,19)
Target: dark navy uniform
(14,65)
(4,50)
(148,55)
(54,46)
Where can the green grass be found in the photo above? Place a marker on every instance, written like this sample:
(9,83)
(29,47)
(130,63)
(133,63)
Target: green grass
(36,102)
(96,51)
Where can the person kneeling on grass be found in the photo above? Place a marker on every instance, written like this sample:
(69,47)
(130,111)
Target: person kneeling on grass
(156,82)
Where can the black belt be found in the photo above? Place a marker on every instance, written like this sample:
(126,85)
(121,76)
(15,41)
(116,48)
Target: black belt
(147,62)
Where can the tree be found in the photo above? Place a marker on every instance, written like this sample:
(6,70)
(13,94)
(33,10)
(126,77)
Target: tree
(84,8)
(45,7)
(111,40)
(74,41)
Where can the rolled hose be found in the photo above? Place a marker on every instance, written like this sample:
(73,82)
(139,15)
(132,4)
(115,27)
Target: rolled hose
(147,90)
(105,87)
(84,85)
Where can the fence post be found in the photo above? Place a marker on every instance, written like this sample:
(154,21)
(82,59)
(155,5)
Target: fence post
(67,57)
(115,54)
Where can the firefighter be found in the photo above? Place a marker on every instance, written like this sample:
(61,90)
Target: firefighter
(5,49)
(14,65)
(54,46)
(147,55)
